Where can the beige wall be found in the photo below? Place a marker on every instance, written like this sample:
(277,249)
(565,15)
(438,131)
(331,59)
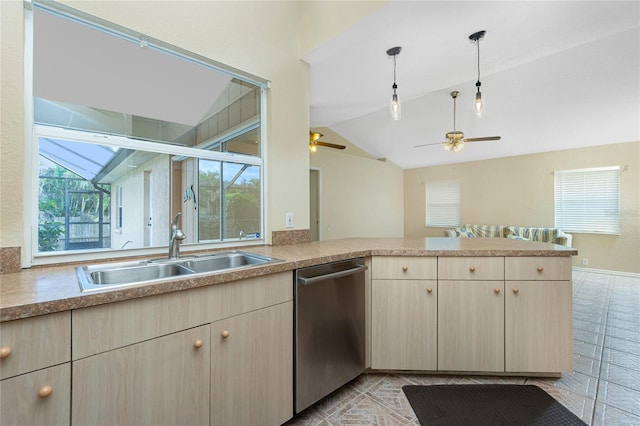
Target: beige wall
(359,197)
(519,191)
(11,123)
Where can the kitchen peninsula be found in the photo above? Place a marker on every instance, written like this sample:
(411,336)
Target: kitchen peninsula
(492,305)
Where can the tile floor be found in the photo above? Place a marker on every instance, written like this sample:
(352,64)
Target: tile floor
(604,388)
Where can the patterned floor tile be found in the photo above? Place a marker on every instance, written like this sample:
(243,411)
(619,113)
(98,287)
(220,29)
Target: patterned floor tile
(365,381)
(579,405)
(593,316)
(620,397)
(586,365)
(623,359)
(333,402)
(588,336)
(623,345)
(574,382)
(309,417)
(587,349)
(620,375)
(363,410)
(593,327)
(389,393)
(606,415)
(623,333)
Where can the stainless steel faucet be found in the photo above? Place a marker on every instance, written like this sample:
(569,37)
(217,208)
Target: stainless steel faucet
(175,237)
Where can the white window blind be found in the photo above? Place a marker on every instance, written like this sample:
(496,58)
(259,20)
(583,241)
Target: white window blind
(588,200)
(443,203)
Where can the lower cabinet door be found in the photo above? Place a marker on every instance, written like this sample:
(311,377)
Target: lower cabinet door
(471,325)
(538,326)
(252,368)
(164,381)
(40,398)
(403,324)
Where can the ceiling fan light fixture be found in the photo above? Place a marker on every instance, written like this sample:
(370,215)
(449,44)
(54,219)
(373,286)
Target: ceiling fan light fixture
(478,104)
(395,107)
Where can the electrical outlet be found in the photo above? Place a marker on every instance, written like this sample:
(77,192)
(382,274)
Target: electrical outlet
(289,220)
(585,261)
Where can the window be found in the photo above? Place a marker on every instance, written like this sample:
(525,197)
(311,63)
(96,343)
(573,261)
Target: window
(130,128)
(443,203)
(588,200)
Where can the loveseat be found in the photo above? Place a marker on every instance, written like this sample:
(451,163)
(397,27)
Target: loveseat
(545,235)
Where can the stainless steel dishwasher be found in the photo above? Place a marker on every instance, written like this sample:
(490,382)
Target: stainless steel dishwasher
(329,329)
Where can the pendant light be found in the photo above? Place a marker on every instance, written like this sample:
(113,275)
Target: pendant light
(395,103)
(478,105)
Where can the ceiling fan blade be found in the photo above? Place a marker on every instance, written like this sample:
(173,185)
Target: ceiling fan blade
(330,145)
(488,138)
(429,144)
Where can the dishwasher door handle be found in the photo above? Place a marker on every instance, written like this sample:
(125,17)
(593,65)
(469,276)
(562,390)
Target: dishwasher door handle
(311,280)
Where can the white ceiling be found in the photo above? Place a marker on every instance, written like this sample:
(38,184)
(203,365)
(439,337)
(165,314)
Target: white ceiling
(555,75)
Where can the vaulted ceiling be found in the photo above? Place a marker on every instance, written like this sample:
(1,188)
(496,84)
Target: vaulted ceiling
(555,75)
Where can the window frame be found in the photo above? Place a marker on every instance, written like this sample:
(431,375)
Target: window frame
(587,225)
(442,185)
(33,131)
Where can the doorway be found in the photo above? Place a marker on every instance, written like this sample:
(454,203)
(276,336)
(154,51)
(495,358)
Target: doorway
(314,204)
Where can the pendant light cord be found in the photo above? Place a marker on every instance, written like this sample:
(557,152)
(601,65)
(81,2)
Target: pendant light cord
(478,43)
(395,86)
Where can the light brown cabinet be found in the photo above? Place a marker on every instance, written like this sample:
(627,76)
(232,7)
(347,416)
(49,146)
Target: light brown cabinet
(471,314)
(404,313)
(35,370)
(251,367)
(471,326)
(538,315)
(163,381)
(493,314)
(39,398)
(219,355)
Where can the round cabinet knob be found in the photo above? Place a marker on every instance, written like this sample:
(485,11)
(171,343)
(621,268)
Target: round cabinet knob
(496,290)
(405,269)
(429,290)
(516,291)
(540,269)
(5,351)
(197,344)
(225,333)
(45,391)
(472,269)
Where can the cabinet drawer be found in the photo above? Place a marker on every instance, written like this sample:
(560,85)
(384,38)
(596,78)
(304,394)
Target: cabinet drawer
(100,328)
(471,268)
(33,343)
(404,268)
(538,268)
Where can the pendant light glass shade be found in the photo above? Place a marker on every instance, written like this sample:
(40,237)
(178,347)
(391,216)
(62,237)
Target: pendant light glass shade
(478,105)
(395,108)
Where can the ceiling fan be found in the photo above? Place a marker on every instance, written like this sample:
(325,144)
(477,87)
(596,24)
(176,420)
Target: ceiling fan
(456,139)
(314,143)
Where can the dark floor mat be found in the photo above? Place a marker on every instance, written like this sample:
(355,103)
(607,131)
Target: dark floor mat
(487,405)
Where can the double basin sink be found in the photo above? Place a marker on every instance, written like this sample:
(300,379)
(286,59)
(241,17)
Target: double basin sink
(124,274)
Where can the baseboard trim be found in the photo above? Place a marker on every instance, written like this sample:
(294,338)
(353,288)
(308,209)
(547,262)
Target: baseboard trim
(603,271)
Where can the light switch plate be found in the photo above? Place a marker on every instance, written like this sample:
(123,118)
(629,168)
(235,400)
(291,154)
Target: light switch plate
(289,220)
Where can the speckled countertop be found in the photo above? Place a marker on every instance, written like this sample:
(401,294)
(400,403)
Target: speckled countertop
(44,290)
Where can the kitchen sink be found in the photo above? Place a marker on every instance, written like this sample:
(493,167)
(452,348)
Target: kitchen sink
(224,261)
(116,275)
